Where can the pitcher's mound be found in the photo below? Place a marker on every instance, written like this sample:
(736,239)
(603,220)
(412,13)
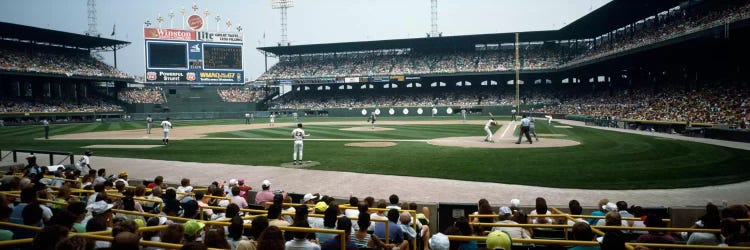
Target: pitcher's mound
(552,135)
(303,164)
(478,142)
(371,144)
(367,129)
(121,146)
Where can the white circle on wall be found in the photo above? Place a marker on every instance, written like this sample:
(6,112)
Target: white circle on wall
(449,110)
(406,111)
(377,111)
(391,111)
(364,112)
(419,111)
(434,111)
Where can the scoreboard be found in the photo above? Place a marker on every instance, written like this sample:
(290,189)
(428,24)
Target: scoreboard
(193,56)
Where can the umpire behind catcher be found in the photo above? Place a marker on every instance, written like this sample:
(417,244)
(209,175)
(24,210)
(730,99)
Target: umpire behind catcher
(525,124)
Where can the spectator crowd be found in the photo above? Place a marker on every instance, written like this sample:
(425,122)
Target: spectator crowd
(44,59)
(242,94)
(61,201)
(11,105)
(142,95)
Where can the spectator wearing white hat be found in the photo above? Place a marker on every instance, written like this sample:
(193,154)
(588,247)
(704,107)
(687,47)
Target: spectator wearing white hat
(505,215)
(265,195)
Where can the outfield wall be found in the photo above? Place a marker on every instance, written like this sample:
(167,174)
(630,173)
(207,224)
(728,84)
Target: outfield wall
(412,111)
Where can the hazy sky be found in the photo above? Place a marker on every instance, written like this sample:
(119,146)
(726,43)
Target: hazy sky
(310,21)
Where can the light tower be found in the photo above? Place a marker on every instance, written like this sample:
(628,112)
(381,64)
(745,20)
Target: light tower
(91,4)
(434,31)
(282,5)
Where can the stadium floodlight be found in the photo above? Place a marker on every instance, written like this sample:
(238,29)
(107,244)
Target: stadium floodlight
(91,8)
(282,5)
(434,20)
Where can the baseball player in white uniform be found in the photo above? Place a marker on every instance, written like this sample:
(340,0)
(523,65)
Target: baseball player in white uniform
(463,114)
(272,117)
(149,120)
(532,128)
(247,118)
(167,126)
(487,129)
(299,136)
(549,119)
(296,117)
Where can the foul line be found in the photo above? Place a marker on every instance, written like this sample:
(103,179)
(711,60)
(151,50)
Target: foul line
(511,124)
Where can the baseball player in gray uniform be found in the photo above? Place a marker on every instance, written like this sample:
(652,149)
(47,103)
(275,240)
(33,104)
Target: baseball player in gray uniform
(532,129)
(371,120)
(149,120)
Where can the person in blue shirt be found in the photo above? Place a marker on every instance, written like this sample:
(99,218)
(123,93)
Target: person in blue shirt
(345,224)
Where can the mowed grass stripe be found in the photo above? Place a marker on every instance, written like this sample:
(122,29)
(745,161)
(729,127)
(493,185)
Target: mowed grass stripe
(604,160)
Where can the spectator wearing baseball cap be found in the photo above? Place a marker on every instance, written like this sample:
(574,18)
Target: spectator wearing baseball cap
(310,198)
(505,214)
(243,188)
(439,241)
(192,229)
(265,195)
(319,208)
(598,212)
(499,240)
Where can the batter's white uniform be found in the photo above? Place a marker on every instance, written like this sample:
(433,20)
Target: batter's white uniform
(487,129)
(166,125)
(148,124)
(273,119)
(299,136)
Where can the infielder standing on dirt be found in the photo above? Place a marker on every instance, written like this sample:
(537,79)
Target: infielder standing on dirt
(371,120)
(487,126)
(532,129)
(272,117)
(149,120)
(299,136)
(166,125)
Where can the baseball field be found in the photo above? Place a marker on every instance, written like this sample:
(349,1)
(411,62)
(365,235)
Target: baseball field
(439,147)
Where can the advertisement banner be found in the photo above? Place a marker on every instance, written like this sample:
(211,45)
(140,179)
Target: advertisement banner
(220,76)
(193,76)
(397,78)
(168,34)
(351,79)
(219,37)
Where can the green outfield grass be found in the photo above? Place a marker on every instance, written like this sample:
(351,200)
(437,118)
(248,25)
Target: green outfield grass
(604,160)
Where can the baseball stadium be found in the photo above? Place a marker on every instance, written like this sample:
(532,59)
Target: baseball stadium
(627,128)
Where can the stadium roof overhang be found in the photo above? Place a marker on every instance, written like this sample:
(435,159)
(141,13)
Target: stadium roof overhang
(614,15)
(23,33)
(446,42)
(611,16)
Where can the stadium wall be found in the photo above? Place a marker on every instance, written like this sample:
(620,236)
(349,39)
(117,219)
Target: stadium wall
(398,111)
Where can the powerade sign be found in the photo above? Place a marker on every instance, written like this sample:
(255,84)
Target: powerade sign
(186,56)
